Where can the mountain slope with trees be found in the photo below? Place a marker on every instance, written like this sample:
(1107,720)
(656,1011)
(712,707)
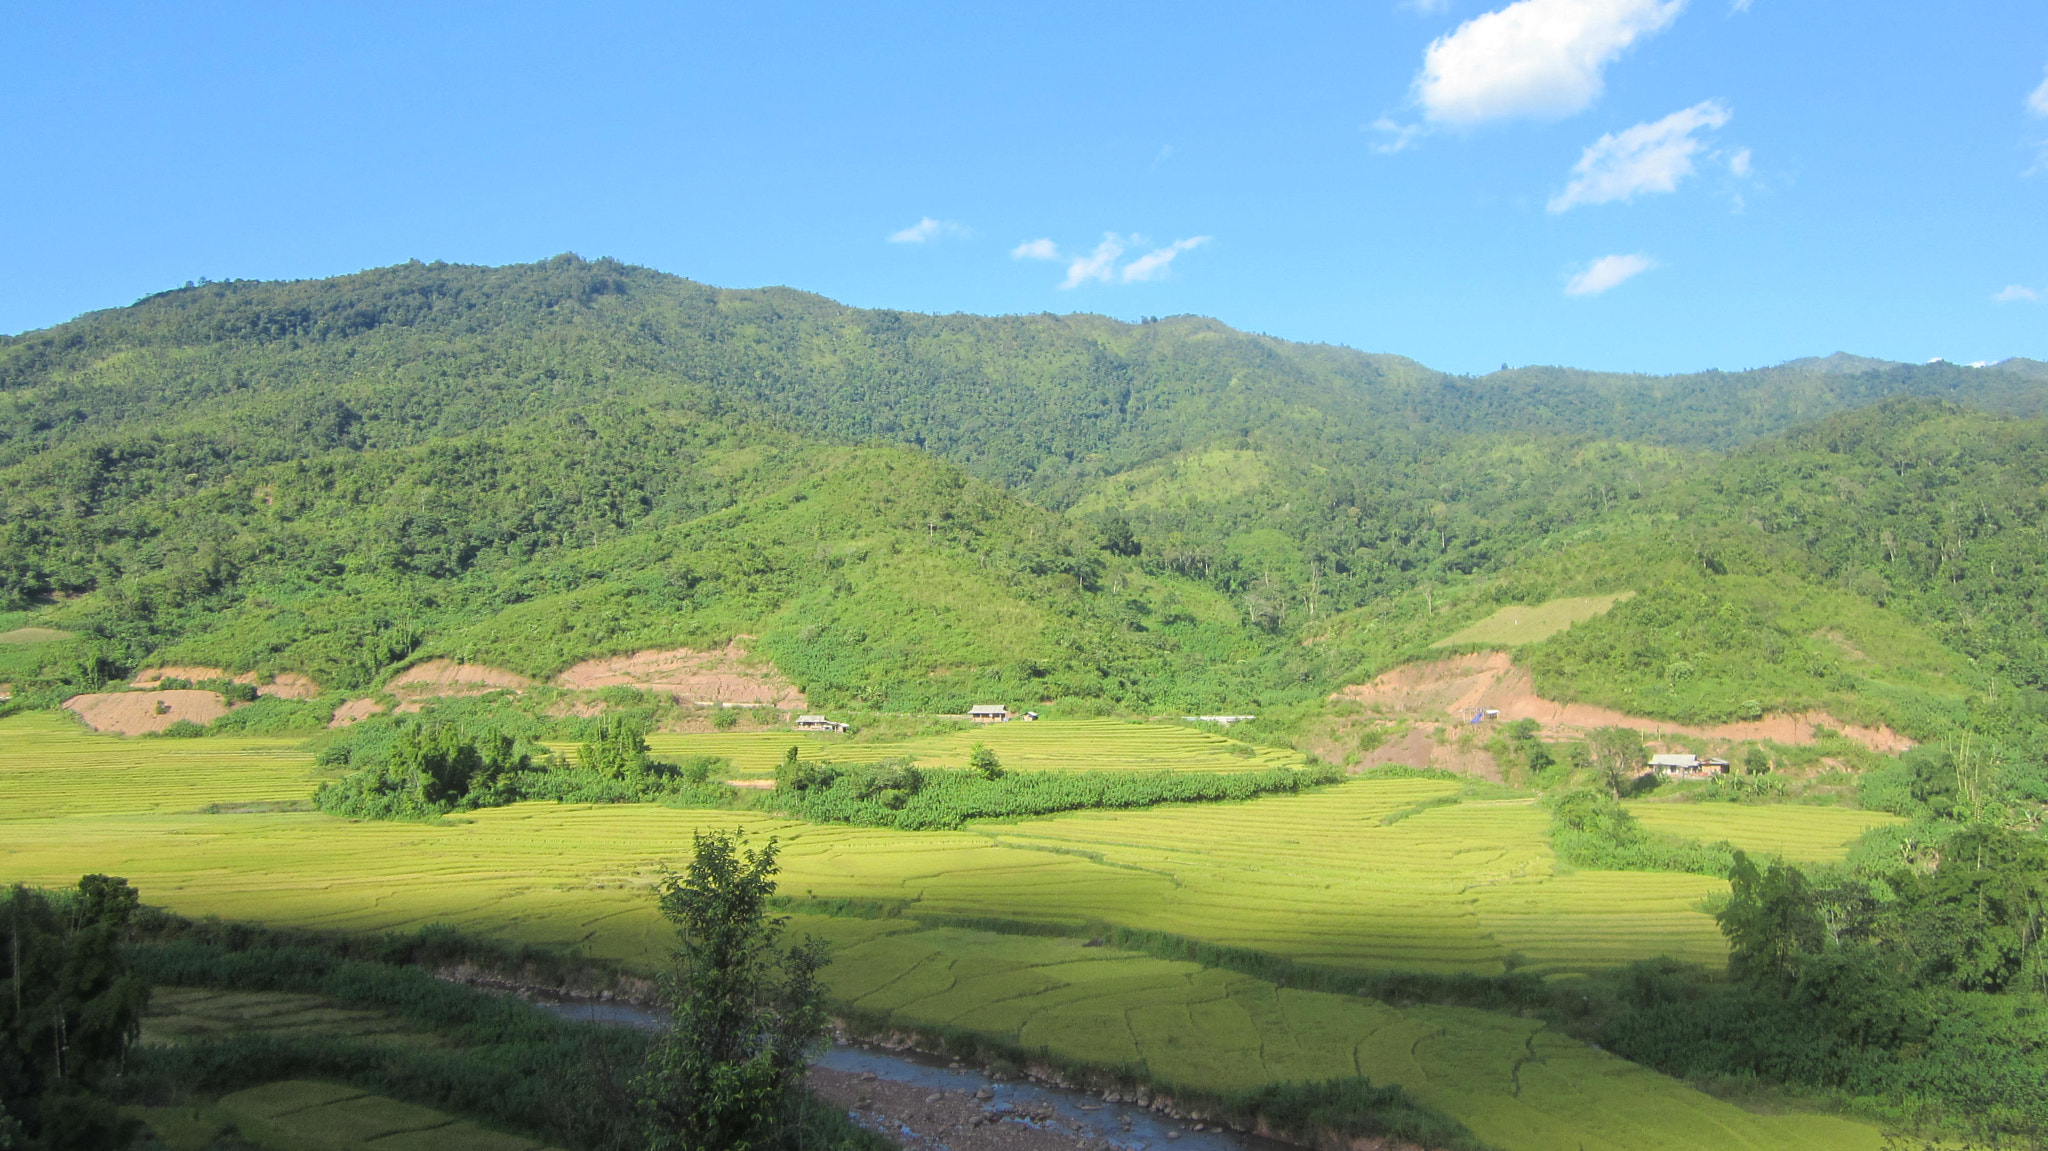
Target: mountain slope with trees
(535,464)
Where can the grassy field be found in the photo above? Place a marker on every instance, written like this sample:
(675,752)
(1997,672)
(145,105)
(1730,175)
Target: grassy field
(1517,624)
(1360,876)
(1046,745)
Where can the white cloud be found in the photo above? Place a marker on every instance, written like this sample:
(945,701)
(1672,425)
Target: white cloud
(2018,294)
(1739,163)
(1035,250)
(1398,136)
(926,229)
(1097,265)
(2037,101)
(1650,157)
(1155,263)
(1738,5)
(1608,272)
(1540,58)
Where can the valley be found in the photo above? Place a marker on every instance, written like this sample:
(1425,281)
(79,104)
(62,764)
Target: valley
(440,599)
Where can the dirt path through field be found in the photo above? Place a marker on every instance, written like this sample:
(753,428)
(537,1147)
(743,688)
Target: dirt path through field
(1459,686)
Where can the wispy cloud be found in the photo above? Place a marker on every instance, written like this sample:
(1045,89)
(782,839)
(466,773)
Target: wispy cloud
(1608,272)
(1099,264)
(927,229)
(1156,262)
(1395,137)
(2037,100)
(1536,58)
(2018,294)
(1738,164)
(1738,5)
(1650,157)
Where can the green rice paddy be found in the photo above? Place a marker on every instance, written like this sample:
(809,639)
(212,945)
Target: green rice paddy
(1358,877)
(300,1115)
(1798,833)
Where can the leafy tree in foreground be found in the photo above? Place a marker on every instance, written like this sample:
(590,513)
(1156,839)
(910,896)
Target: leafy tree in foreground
(68,1011)
(748,1009)
(1770,922)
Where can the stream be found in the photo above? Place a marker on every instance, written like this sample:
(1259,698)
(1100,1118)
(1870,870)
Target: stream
(1146,1130)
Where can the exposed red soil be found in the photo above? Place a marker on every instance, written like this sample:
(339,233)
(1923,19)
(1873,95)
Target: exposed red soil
(438,677)
(288,685)
(355,711)
(723,676)
(1460,685)
(135,712)
(1433,745)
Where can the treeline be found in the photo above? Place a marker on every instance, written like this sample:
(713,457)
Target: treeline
(1913,991)
(897,794)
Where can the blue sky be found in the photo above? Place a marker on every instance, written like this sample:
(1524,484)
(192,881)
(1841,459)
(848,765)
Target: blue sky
(1655,185)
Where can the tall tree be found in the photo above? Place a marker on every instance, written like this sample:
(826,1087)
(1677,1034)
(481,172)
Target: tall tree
(748,1009)
(1619,755)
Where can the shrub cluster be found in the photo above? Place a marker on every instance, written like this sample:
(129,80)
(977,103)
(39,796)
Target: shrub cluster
(426,770)
(1591,829)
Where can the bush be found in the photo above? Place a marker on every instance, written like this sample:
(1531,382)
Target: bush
(1589,828)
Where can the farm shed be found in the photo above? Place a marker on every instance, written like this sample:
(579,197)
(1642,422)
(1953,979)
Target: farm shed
(818,723)
(1687,766)
(989,713)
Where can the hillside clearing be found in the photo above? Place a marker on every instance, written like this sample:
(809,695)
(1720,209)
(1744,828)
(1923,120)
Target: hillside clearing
(1460,686)
(1518,624)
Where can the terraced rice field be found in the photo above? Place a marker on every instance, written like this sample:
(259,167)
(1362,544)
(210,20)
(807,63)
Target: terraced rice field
(49,766)
(1357,876)
(1797,833)
(177,1014)
(1046,745)
(302,1115)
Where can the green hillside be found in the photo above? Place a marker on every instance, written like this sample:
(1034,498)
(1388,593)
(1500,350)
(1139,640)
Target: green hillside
(531,465)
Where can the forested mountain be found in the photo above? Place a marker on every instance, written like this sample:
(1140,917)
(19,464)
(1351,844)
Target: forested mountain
(534,464)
